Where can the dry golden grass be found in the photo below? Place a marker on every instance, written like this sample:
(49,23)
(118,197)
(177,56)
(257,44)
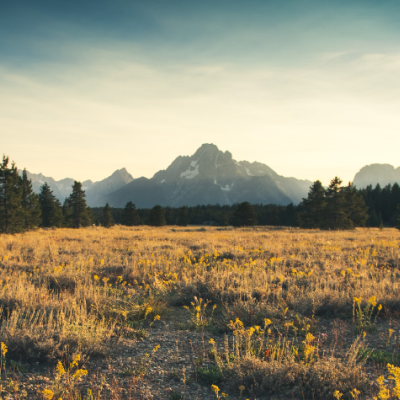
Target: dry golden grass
(81,288)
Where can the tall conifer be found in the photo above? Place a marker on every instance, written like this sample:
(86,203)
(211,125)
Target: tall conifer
(50,207)
(108,221)
(30,203)
(313,213)
(157,217)
(336,215)
(183,217)
(130,215)
(244,215)
(11,213)
(354,206)
(75,210)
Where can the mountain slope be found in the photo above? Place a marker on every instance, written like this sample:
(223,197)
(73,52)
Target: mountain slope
(118,179)
(373,174)
(62,188)
(209,176)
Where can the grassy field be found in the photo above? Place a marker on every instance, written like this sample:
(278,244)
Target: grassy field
(200,313)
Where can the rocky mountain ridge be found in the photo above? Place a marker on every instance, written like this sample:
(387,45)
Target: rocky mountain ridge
(210,176)
(372,174)
(94,190)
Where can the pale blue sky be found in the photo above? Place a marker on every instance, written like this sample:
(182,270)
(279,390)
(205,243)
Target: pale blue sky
(310,88)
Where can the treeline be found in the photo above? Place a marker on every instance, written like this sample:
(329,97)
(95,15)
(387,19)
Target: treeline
(21,209)
(335,207)
(383,204)
(206,214)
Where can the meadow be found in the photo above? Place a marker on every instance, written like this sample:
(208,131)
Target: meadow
(200,313)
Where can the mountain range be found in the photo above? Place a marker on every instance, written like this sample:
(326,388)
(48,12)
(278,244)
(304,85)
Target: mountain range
(94,190)
(372,174)
(209,176)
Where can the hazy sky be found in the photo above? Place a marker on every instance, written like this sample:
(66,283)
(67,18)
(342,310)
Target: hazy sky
(310,88)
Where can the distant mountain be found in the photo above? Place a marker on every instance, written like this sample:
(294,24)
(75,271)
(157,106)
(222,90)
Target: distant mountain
(62,188)
(377,173)
(209,176)
(97,190)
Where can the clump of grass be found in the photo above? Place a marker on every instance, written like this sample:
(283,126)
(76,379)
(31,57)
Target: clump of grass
(199,318)
(364,318)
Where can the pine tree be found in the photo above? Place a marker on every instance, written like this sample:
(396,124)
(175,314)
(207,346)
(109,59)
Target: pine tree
(108,220)
(374,221)
(335,215)
(130,215)
(11,213)
(75,210)
(225,219)
(30,203)
(244,215)
(183,218)
(157,217)
(354,205)
(314,205)
(50,208)
(398,217)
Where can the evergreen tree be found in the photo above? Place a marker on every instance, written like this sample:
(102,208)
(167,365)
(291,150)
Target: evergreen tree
(90,215)
(183,218)
(11,212)
(335,215)
(108,221)
(313,213)
(225,219)
(398,217)
(157,217)
(291,216)
(75,210)
(395,201)
(374,220)
(130,215)
(354,206)
(50,208)
(30,203)
(244,215)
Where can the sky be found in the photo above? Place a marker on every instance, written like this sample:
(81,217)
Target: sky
(310,88)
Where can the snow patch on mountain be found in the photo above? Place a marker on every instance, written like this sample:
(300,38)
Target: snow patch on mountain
(227,188)
(248,172)
(190,173)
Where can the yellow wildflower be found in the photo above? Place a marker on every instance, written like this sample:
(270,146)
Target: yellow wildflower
(337,395)
(215,389)
(372,301)
(60,368)
(267,322)
(75,361)
(48,394)
(79,372)
(3,349)
(155,348)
